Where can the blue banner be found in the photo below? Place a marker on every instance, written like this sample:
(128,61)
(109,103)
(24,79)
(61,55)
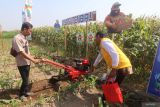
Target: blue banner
(154,82)
(91,16)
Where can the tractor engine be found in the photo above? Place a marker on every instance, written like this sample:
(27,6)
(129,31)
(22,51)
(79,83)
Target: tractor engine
(81,65)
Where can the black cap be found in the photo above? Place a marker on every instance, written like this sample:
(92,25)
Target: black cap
(100,34)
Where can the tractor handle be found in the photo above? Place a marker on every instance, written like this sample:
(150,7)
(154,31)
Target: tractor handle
(47,61)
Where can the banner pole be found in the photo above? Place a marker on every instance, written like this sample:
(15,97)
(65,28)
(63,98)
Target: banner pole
(86,39)
(1,37)
(65,41)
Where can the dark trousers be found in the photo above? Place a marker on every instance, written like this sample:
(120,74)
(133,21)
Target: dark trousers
(24,72)
(120,75)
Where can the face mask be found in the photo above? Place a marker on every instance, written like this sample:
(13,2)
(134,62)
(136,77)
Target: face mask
(114,13)
(29,38)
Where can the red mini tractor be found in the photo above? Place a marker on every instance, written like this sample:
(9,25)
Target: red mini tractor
(79,67)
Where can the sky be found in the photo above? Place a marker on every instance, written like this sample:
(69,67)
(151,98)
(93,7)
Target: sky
(46,12)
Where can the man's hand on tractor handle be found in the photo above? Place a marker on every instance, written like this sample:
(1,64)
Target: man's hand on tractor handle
(39,59)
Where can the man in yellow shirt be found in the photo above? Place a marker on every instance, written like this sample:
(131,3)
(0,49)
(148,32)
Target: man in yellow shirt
(116,60)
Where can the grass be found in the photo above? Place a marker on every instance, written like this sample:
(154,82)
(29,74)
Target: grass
(9,34)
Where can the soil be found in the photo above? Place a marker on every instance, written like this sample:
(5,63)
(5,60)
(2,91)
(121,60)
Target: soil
(88,98)
(84,99)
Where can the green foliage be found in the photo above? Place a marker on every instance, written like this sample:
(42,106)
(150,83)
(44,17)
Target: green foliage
(56,40)
(9,34)
(140,43)
(100,104)
(12,103)
(7,81)
(90,81)
(74,87)
(81,86)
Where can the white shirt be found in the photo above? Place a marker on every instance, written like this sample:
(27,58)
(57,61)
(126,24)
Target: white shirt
(109,47)
(20,43)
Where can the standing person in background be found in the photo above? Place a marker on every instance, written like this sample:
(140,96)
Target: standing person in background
(112,19)
(23,58)
(0,31)
(57,26)
(116,60)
